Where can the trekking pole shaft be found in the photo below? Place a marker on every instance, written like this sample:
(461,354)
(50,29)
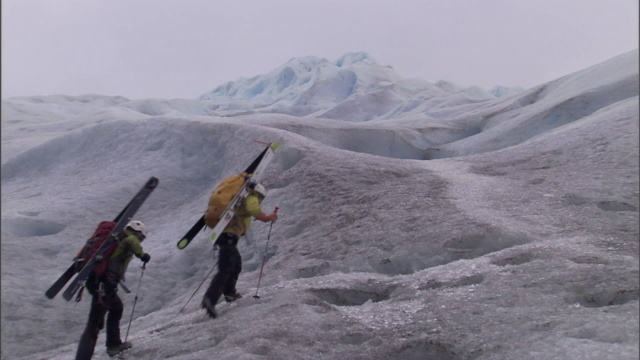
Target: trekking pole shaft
(198,288)
(264,256)
(135,301)
(264,259)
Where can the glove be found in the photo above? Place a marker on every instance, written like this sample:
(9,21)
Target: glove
(145,258)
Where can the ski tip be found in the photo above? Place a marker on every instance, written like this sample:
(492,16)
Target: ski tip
(273,145)
(183,243)
(152,183)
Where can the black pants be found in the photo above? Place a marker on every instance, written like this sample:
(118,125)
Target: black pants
(101,304)
(229,268)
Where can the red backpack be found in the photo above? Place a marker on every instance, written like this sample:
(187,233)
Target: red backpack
(93,244)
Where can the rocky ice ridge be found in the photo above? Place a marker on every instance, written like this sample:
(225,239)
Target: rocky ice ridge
(315,87)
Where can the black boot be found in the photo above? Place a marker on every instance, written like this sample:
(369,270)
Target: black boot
(232,297)
(209,307)
(117,349)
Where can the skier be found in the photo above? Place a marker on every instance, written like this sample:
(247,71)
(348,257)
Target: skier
(104,294)
(229,259)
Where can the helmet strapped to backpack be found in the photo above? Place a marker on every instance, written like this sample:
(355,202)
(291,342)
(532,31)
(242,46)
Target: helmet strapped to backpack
(260,189)
(138,226)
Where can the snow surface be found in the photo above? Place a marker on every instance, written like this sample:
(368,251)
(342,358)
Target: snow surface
(417,220)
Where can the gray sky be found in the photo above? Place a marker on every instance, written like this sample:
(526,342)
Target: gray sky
(184,48)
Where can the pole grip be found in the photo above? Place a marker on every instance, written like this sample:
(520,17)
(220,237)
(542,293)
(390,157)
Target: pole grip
(275,211)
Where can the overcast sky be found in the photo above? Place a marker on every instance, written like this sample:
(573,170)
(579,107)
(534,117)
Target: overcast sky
(184,48)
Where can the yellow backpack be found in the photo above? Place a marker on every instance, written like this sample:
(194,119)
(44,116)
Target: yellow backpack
(221,197)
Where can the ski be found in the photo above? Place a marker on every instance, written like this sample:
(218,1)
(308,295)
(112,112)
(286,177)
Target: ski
(191,234)
(68,275)
(124,218)
(255,170)
(61,282)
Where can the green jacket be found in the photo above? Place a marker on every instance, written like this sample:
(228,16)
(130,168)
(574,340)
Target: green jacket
(242,220)
(119,260)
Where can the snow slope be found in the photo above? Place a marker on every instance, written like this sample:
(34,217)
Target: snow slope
(507,228)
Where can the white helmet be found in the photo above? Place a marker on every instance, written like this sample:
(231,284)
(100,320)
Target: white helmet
(260,190)
(138,226)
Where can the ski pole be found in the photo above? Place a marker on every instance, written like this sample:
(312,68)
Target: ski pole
(198,288)
(203,280)
(144,266)
(264,256)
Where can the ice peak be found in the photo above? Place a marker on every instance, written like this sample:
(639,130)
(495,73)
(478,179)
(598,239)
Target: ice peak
(353,58)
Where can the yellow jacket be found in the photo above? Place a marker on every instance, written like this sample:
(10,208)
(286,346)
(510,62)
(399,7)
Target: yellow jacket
(242,220)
